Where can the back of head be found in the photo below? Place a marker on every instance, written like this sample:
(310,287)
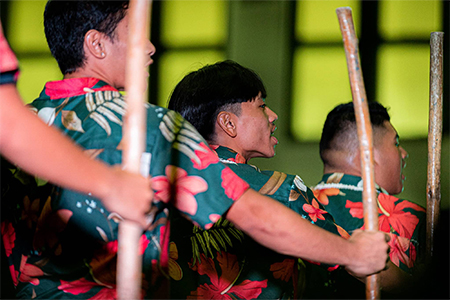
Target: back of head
(340,133)
(202,94)
(67,22)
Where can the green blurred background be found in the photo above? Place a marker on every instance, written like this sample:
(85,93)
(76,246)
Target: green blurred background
(296,48)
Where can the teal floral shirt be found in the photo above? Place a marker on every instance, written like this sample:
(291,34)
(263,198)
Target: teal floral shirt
(64,246)
(224,263)
(405,221)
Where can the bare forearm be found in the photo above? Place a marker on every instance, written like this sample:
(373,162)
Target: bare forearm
(281,229)
(286,231)
(45,152)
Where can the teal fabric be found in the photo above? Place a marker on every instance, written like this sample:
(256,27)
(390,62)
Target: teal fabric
(224,263)
(64,246)
(405,221)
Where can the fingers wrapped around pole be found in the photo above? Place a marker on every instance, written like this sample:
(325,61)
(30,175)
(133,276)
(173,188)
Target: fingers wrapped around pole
(129,258)
(364,132)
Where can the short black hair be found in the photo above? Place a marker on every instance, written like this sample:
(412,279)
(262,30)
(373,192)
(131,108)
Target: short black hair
(202,94)
(339,131)
(67,22)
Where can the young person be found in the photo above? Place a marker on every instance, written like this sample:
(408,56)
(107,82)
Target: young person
(77,258)
(28,142)
(340,191)
(225,102)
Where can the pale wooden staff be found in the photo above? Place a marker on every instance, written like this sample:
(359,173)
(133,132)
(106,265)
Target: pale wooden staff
(364,132)
(129,260)
(434,137)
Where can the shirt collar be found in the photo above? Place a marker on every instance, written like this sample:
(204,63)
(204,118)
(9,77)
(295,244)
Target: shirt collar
(74,87)
(228,154)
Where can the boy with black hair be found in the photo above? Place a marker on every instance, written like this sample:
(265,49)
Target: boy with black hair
(77,259)
(340,191)
(225,102)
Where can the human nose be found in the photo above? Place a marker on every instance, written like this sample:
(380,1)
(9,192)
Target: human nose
(403,153)
(150,48)
(272,115)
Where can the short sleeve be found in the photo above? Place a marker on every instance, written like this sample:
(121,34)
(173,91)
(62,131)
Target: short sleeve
(191,176)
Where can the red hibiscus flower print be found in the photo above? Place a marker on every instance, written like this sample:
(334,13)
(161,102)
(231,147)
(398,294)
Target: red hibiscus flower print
(206,157)
(8,237)
(356,209)
(283,270)
(314,211)
(322,195)
(234,186)
(29,272)
(394,215)
(223,287)
(185,188)
(77,287)
(14,275)
(82,286)
(399,246)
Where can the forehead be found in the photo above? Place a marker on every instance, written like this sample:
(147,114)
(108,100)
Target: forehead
(386,132)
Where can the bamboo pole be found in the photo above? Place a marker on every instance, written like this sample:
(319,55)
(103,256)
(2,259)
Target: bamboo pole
(364,132)
(129,259)
(434,138)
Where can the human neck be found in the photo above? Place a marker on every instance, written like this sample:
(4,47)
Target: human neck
(343,163)
(92,73)
(230,144)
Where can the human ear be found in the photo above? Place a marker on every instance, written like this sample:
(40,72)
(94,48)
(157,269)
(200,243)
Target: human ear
(93,41)
(226,123)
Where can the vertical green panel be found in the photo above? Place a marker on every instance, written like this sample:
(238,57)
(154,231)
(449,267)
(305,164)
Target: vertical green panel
(403,85)
(316,21)
(320,82)
(34,74)
(410,19)
(26,26)
(176,64)
(191,23)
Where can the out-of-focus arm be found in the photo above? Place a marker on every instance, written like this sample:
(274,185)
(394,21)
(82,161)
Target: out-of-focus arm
(43,151)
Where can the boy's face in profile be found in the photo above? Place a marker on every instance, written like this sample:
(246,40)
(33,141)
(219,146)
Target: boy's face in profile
(389,158)
(115,59)
(255,129)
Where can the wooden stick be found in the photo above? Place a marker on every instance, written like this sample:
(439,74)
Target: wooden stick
(129,259)
(434,138)
(364,132)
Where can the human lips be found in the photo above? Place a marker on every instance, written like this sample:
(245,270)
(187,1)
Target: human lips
(272,134)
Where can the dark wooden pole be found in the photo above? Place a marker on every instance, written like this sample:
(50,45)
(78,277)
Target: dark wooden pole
(364,132)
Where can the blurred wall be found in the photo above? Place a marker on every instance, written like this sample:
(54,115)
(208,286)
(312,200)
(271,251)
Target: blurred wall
(258,40)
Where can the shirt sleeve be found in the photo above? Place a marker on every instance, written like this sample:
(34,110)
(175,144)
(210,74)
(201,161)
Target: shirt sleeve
(193,179)
(9,65)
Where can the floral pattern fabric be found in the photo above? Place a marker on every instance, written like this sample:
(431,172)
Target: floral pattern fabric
(63,245)
(405,221)
(224,263)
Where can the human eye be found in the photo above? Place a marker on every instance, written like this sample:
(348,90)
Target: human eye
(263,105)
(397,142)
